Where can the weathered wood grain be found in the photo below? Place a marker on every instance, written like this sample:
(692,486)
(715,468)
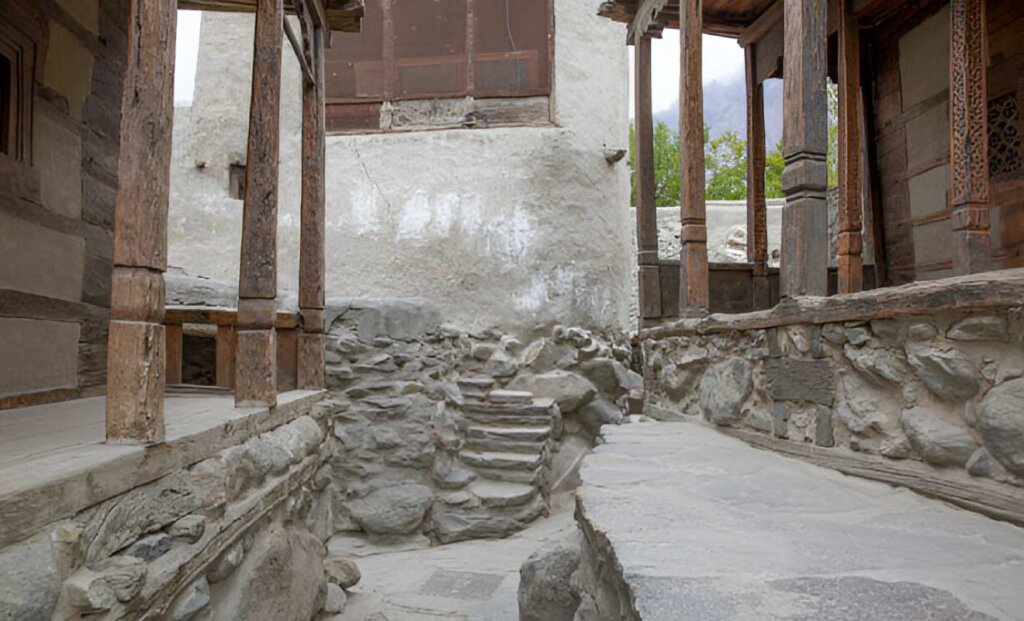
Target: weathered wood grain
(310,372)
(224,365)
(646,205)
(693,283)
(135,345)
(851,194)
(805,135)
(256,368)
(173,334)
(757,207)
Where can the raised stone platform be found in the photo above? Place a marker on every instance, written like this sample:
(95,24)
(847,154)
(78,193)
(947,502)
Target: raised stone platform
(699,525)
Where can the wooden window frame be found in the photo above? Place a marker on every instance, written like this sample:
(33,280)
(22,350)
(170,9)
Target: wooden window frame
(466,63)
(20,51)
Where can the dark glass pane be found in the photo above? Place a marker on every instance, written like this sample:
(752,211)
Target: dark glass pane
(430,48)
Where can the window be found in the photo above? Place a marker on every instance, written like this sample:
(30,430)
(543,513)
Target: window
(17,57)
(236,181)
(443,49)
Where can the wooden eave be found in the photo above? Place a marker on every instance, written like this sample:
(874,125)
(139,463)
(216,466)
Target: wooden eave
(721,17)
(341,15)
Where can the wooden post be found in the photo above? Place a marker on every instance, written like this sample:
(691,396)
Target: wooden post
(757,209)
(851,194)
(135,342)
(646,204)
(968,114)
(693,281)
(224,368)
(805,247)
(312,264)
(255,364)
(174,338)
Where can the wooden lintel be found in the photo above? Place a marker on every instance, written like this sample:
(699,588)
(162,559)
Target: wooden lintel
(764,23)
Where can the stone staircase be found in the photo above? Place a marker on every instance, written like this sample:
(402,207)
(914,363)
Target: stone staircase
(508,443)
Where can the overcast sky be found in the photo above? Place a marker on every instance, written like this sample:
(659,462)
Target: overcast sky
(723,61)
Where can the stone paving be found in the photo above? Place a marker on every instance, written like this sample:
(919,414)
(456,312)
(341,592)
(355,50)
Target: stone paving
(475,580)
(706,527)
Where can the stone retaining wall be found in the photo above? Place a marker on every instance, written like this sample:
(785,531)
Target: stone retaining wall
(934,398)
(236,536)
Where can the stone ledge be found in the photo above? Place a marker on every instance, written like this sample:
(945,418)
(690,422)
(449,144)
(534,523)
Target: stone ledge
(50,485)
(1001,289)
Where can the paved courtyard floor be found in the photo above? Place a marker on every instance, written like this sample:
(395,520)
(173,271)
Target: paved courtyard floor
(706,527)
(472,580)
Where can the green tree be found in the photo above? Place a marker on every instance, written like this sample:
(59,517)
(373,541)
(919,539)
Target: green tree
(666,165)
(833,135)
(725,160)
(773,165)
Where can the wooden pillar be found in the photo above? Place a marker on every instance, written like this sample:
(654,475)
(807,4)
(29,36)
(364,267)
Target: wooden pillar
(693,281)
(224,369)
(851,194)
(757,209)
(255,365)
(135,342)
(646,203)
(968,113)
(805,247)
(312,264)
(174,338)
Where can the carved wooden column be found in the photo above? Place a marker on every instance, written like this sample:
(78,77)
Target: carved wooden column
(311,250)
(255,365)
(693,281)
(851,218)
(135,343)
(757,210)
(805,247)
(646,205)
(968,115)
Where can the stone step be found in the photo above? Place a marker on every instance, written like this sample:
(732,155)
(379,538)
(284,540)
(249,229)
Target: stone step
(502,459)
(533,477)
(510,397)
(475,388)
(537,433)
(481,445)
(539,408)
(498,494)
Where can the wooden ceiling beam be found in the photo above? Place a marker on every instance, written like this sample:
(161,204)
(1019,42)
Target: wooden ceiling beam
(764,23)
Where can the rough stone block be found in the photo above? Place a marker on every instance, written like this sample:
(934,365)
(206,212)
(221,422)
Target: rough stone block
(800,380)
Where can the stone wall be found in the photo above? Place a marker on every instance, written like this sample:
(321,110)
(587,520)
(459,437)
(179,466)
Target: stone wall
(506,227)
(455,434)
(905,386)
(238,535)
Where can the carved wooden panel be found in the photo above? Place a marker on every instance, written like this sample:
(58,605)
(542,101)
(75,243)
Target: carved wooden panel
(1004,141)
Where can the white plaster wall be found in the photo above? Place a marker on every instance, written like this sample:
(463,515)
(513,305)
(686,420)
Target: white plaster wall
(508,227)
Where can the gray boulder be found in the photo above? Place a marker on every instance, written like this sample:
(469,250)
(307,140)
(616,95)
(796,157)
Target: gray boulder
(29,584)
(1001,421)
(395,510)
(611,377)
(191,601)
(979,328)
(189,528)
(149,548)
(402,319)
(876,365)
(342,571)
(569,390)
(281,579)
(545,593)
(597,413)
(949,374)
(334,602)
(102,585)
(938,442)
(724,388)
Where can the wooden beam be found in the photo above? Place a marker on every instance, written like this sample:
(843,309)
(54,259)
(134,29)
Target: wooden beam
(255,365)
(312,262)
(851,192)
(968,114)
(135,345)
(762,25)
(693,283)
(757,207)
(646,16)
(174,352)
(805,246)
(307,73)
(646,205)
